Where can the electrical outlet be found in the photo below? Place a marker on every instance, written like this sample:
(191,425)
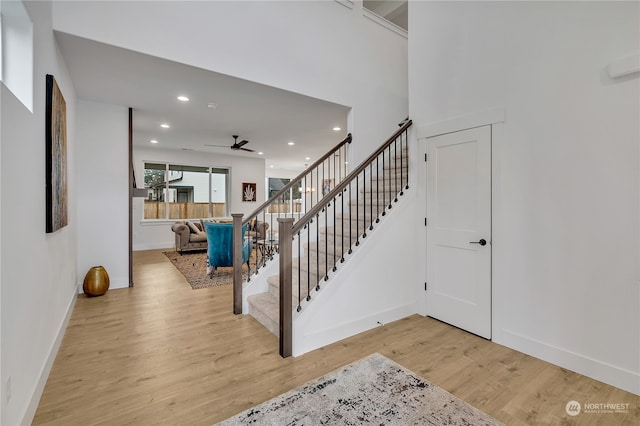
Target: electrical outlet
(7,389)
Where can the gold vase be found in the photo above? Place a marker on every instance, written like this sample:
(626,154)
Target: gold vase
(96,282)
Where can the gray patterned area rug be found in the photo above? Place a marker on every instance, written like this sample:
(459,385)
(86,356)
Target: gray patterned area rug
(373,390)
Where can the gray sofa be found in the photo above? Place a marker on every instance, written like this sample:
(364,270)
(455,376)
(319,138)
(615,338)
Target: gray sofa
(187,239)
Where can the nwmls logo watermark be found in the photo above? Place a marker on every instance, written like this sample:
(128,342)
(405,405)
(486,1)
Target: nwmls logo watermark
(573,408)
(605,408)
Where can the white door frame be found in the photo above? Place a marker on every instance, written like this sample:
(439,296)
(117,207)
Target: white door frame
(494,117)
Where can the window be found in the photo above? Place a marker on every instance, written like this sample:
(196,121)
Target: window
(185,192)
(16,51)
(285,204)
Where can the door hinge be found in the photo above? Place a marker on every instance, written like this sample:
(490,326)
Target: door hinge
(425,158)
(425,221)
(425,286)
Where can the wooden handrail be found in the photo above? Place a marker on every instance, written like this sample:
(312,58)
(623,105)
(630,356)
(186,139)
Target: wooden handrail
(345,182)
(297,179)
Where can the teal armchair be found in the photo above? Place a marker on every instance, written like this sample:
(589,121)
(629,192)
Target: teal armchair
(220,245)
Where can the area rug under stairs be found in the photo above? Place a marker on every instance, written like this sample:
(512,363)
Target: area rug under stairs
(374,390)
(264,307)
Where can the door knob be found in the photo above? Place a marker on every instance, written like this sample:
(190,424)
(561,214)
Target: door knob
(482,242)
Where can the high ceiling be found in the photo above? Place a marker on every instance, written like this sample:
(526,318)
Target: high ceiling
(219,106)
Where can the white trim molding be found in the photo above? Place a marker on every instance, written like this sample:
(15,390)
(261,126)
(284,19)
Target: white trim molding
(36,394)
(596,369)
(374,17)
(463,122)
(346,3)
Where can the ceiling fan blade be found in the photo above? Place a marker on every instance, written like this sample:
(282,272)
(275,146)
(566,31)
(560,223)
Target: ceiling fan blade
(247,149)
(242,143)
(217,146)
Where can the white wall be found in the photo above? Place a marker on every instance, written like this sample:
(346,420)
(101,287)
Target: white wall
(38,277)
(155,234)
(103,194)
(566,232)
(318,48)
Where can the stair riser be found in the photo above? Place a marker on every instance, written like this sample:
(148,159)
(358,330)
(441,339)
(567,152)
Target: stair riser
(391,189)
(312,274)
(387,178)
(274,290)
(266,315)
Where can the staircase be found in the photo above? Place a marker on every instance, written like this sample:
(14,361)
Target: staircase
(358,208)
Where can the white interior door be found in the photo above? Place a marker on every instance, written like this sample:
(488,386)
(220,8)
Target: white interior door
(459,229)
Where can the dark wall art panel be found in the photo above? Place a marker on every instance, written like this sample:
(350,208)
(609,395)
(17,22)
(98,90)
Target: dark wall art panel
(56,157)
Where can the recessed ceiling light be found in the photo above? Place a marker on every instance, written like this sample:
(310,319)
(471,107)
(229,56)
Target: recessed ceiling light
(336,129)
(272,166)
(183,98)
(165,126)
(212,105)
(153,141)
(307,158)
(291,143)
(261,153)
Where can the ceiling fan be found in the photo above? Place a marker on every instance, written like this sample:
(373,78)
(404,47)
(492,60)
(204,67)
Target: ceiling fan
(236,145)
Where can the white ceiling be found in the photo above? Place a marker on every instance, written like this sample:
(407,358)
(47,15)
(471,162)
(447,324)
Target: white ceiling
(268,117)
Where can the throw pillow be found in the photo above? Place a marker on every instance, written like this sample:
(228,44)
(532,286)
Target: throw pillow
(193,228)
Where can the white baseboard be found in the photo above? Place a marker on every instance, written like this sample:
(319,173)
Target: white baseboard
(154,246)
(114,283)
(304,343)
(118,282)
(32,406)
(598,370)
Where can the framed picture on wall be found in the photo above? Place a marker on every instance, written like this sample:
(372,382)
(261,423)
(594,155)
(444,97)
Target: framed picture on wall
(248,191)
(55,156)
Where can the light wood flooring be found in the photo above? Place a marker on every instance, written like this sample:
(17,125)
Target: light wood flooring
(162,353)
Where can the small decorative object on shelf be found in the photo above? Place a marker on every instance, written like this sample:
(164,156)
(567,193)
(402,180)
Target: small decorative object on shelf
(96,282)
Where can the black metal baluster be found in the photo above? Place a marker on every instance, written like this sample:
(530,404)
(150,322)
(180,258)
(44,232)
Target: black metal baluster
(342,230)
(401,168)
(317,251)
(364,203)
(377,189)
(326,247)
(406,143)
(350,220)
(321,183)
(357,179)
(335,174)
(299,308)
(311,191)
(395,168)
(384,185)
(270,225)
(390,177)
(306,253)
(371,196)
(335,225)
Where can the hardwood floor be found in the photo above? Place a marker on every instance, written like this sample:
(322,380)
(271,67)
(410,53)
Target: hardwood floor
(162,353)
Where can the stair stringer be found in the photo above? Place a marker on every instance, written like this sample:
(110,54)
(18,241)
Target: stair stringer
(379,283)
